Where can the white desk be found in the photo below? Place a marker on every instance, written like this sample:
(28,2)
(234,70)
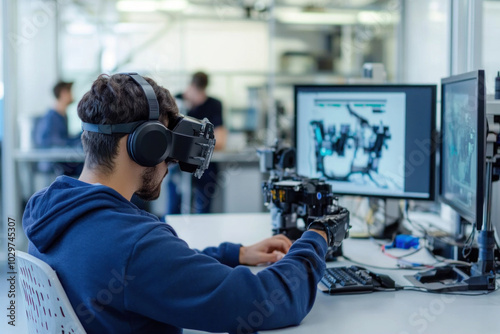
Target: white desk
(402,312)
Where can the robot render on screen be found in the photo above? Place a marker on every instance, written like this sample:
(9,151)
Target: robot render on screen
(367,140)
(463,140)
(294,199)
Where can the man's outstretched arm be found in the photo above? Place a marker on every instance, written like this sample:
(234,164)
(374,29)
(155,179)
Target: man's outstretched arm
(268,250)
(176,285)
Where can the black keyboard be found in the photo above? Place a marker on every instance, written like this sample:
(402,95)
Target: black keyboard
(355,279)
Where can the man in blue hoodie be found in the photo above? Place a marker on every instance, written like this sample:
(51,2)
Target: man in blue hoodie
(124,271)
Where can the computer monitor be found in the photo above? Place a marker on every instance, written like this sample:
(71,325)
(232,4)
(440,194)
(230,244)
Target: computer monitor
(368,140)
(463,142)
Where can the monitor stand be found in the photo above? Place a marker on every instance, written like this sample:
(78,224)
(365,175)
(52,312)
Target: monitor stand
(480,275)
(452,278)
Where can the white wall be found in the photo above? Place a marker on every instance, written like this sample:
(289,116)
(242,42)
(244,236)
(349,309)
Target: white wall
(1,59)
(226,46)
(491,64)
(34,43)
(1,78)
(426,41)
(37,70)
(234,53)
(491,43)
(289,39)
(220,47)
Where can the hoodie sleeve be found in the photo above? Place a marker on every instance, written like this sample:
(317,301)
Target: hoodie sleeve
(227,253)
(174,284)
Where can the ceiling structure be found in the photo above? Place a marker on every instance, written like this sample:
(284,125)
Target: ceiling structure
(310,12)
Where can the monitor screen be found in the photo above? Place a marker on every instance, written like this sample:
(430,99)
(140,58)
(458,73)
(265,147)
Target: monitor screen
(374,140)
(463,125)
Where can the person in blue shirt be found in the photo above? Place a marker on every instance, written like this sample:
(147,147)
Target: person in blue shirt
(199,105)
(124,271)
(51,130)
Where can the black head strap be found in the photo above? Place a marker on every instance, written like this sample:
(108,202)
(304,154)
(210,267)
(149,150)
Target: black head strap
(123,128)
(109,129)
(154,108)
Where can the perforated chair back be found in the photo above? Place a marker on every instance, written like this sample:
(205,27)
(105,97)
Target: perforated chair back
(48,309)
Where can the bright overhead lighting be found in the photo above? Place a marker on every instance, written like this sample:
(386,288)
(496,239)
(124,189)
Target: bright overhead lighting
(377,18)
(150,5)
(81,28)
(130,28)
(136,6)
(436,16)
(1,90)
(316,18)
(173,5)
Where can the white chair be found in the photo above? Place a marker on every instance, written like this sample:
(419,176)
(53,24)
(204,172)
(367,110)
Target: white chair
(48,309)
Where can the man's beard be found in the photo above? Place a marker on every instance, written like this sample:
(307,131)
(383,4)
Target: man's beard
(151,188)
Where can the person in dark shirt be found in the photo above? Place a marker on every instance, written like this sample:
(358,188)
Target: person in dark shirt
(200,106)
(51,130)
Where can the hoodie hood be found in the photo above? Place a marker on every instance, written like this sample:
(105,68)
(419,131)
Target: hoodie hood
(67,201)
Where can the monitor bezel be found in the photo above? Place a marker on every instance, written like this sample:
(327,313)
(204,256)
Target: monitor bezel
(432,186)
(481,164)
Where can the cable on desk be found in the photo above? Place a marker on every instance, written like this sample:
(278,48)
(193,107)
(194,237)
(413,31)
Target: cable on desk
(406,262)
(468,242)
(441,259)
(376,242)
(410,265)
(418,226)
(426,234)
(466,246)
(364,220)
(411,253)
(378,267)
(418,289)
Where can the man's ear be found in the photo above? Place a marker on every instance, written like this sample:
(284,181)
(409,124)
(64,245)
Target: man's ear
(124,157)
(122,148)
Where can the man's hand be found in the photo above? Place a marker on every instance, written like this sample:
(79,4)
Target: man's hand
(268,250)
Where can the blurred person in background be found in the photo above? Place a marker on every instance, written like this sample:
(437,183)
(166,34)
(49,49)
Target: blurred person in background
(51,131)
(199,105)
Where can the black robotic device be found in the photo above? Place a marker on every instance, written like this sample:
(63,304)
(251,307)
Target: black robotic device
(297,202)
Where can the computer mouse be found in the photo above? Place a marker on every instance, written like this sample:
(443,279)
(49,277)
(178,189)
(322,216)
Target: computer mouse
(384,280)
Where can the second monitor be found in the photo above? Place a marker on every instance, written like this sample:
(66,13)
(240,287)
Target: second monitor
(371,140)
(463,126)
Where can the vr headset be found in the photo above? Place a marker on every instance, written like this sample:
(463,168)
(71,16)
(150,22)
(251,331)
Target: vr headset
(188,140)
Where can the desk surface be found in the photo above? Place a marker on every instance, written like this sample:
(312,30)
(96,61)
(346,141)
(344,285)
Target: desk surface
(402,312)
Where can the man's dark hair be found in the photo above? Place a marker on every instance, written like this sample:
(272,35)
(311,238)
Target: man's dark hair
(200,80)
(112,100)
(60,86)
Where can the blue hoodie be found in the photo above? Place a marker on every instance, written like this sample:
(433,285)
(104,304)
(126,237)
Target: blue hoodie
(124,271)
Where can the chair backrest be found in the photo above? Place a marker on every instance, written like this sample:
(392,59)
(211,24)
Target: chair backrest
(48,309)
